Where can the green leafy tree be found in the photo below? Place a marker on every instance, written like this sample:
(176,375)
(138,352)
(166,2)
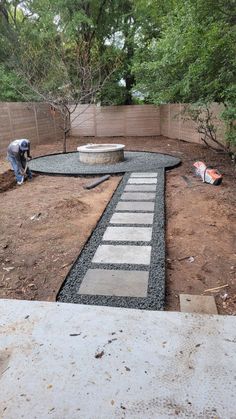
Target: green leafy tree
(194,59)
(81,51)
(56,54)
(13,88)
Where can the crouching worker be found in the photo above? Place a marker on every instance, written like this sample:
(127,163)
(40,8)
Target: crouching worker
(16,156)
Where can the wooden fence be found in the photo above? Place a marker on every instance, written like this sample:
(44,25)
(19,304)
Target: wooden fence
(28,120)
(116,121)
(175,125)
(138,120)
(37,122)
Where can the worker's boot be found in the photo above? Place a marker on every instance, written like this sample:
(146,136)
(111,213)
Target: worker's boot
(19,182)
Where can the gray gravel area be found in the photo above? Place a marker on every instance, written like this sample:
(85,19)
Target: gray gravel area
(156,284)
(69,164)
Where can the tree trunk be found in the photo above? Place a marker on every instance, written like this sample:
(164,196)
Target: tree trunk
(129,32)
(129,81)
(64,142)
(66,130)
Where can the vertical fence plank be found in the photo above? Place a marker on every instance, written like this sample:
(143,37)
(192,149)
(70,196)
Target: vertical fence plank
(179,121)
(54,126)
(94,121)
(36,122)
(10,120)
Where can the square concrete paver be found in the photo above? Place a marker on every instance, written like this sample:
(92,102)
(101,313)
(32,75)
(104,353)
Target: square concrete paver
(118,254)
(132,218)
(115,283)
(128,234)
(135,206)
(138,196)
(203,304)
(143,174)
(137,181)
(140,188)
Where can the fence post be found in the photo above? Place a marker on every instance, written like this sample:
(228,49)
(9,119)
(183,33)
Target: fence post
(125,122)
(180,120)
(94,120)
(10,120)
(160,107)
(54,125)
(36,123)
(169,120)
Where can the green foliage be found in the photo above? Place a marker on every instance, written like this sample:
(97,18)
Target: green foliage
(79,51)
(13,89)
(112,94)
(194,58)
(229,117)
(59,47)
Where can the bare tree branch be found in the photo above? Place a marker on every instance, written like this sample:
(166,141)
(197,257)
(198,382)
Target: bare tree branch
(204,119)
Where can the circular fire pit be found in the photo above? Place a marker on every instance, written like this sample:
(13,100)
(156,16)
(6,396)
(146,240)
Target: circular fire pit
(101,153)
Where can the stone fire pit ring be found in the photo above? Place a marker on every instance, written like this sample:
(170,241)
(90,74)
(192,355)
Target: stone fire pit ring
(101,153)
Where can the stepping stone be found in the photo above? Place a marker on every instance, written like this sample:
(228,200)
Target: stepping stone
(135,196)
(203,304)
(132,218)
(128,234)
(138,181)
(140,188)
(144,174)
(135,206)
(115,283)
(139,255)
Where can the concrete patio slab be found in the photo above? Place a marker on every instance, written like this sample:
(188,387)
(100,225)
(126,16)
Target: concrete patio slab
(143,174)
(138,196)
(140,188)
(118,254)
(112,282)
(203,304)
(132,218)
(137,181)
(143,234)
(75,361)
(135,206)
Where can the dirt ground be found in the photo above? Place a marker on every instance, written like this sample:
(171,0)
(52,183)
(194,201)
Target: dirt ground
(45,223)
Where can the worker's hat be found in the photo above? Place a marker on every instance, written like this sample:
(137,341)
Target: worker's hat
(24,145)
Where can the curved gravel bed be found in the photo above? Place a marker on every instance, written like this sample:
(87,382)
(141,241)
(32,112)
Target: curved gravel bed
(69,164)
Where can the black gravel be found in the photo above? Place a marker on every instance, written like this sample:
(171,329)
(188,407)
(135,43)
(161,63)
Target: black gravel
(69,164)
(156,284)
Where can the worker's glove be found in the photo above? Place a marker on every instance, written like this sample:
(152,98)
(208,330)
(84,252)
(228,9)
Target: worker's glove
(29,157)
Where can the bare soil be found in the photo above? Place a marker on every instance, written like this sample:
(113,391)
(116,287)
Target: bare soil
(45,223)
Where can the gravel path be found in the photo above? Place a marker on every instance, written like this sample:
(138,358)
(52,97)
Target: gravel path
(148,256)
